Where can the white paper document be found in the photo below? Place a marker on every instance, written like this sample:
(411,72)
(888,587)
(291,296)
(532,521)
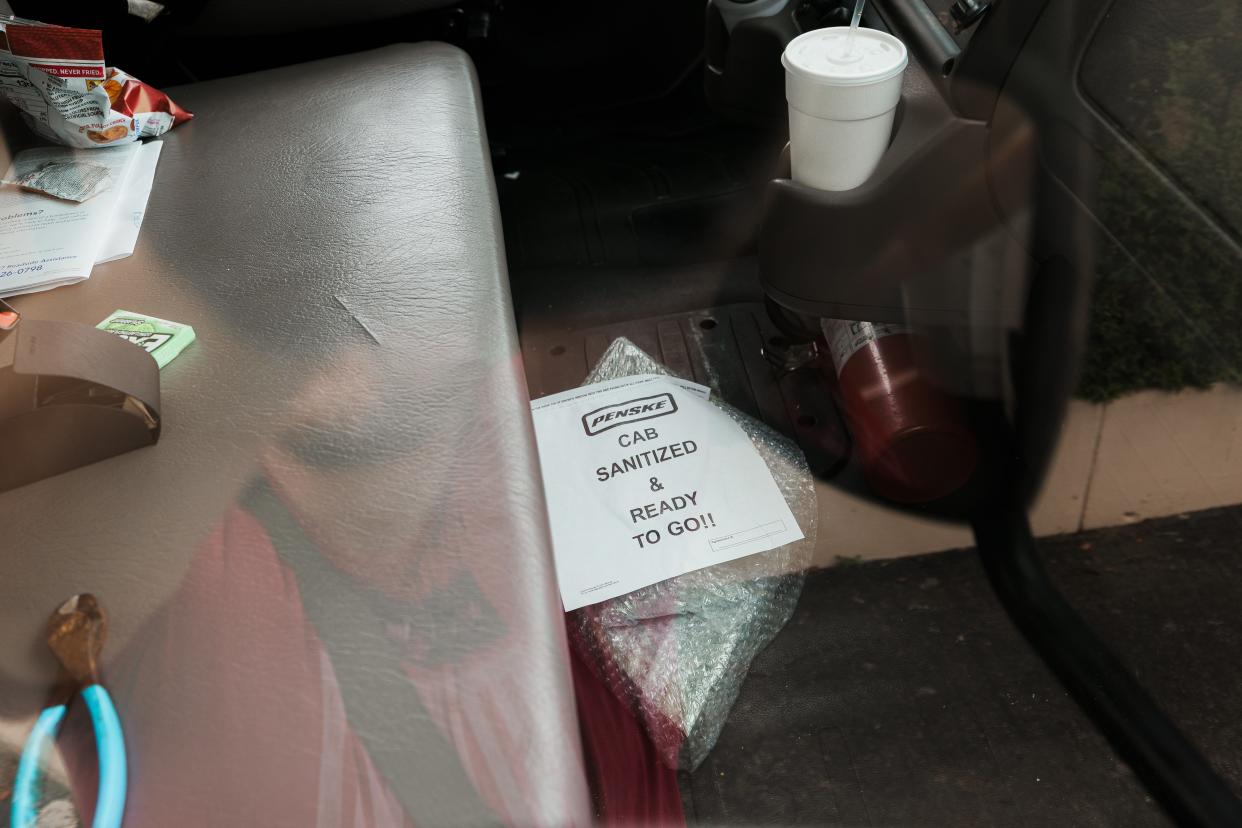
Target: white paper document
(646,479)
(46,242)
(131,207)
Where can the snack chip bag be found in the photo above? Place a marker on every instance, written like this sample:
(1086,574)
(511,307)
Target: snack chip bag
(56,76)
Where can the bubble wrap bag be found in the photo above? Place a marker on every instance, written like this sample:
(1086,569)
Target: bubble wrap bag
(677,652)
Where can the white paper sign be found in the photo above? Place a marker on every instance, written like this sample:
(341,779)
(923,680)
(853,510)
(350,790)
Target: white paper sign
(646,480)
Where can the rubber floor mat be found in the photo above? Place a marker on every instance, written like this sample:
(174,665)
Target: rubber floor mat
(900,693)
(730,349)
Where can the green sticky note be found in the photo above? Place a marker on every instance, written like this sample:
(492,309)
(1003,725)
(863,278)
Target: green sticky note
(158,337)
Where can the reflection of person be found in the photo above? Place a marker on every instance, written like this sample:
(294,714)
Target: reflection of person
(345,650)
(342,650)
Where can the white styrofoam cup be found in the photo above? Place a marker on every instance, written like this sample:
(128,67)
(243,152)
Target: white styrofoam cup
(842,97)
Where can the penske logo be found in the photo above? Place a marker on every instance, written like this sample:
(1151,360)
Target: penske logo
(632,411)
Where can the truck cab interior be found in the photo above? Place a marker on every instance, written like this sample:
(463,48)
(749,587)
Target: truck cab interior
(393,224)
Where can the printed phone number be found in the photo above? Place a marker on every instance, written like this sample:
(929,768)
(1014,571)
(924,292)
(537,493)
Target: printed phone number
(20,270)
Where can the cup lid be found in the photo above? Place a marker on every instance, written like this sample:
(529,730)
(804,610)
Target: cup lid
(827,56)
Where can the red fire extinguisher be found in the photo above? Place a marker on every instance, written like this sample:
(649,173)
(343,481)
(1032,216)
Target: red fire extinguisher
(913,443)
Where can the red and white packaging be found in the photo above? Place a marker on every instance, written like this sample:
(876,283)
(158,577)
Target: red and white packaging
(913,442)
(57,77)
